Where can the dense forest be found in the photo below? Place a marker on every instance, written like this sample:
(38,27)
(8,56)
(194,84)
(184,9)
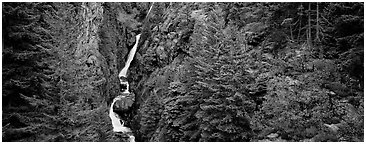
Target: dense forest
(203,72)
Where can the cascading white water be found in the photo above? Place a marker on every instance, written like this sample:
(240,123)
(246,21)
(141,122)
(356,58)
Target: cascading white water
(131,54)
(123,72)
(117,121)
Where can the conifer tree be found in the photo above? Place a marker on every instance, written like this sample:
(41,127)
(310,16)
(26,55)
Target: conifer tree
(29,89)
(218,107)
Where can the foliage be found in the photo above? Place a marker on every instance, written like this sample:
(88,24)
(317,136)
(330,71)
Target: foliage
(29,93)
(202,72)
(219,111)
(150,115)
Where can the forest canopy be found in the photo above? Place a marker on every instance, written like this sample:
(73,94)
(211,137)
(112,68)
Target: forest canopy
(207,72)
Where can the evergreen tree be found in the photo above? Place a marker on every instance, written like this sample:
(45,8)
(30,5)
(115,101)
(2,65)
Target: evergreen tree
(150,115)
(29,91)
(218,107)
(202,71)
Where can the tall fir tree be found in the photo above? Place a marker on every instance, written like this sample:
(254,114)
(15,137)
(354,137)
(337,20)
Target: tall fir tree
(29,91)
(216,105)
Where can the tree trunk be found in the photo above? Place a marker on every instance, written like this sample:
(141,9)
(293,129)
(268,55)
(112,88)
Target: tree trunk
(298,35)
(309,27)
(317,38)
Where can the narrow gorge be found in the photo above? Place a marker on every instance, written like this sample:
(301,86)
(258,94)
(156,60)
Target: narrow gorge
(201,72)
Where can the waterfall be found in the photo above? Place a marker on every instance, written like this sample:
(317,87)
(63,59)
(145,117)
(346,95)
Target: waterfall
(131,55)
(117,121)
(123,72)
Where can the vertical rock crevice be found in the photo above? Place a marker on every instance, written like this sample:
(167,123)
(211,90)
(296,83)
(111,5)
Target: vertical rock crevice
(112,47)
(87,56)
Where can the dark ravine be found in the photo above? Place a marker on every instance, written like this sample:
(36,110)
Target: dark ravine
(202,72)
(114,47)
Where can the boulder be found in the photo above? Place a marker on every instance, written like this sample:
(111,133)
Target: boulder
(123,102)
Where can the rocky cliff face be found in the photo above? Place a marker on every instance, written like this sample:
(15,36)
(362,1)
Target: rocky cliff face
(92,49)
(163,48)
(202,71)
(88,54)
(105,33)
(94,41)
(161,61)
